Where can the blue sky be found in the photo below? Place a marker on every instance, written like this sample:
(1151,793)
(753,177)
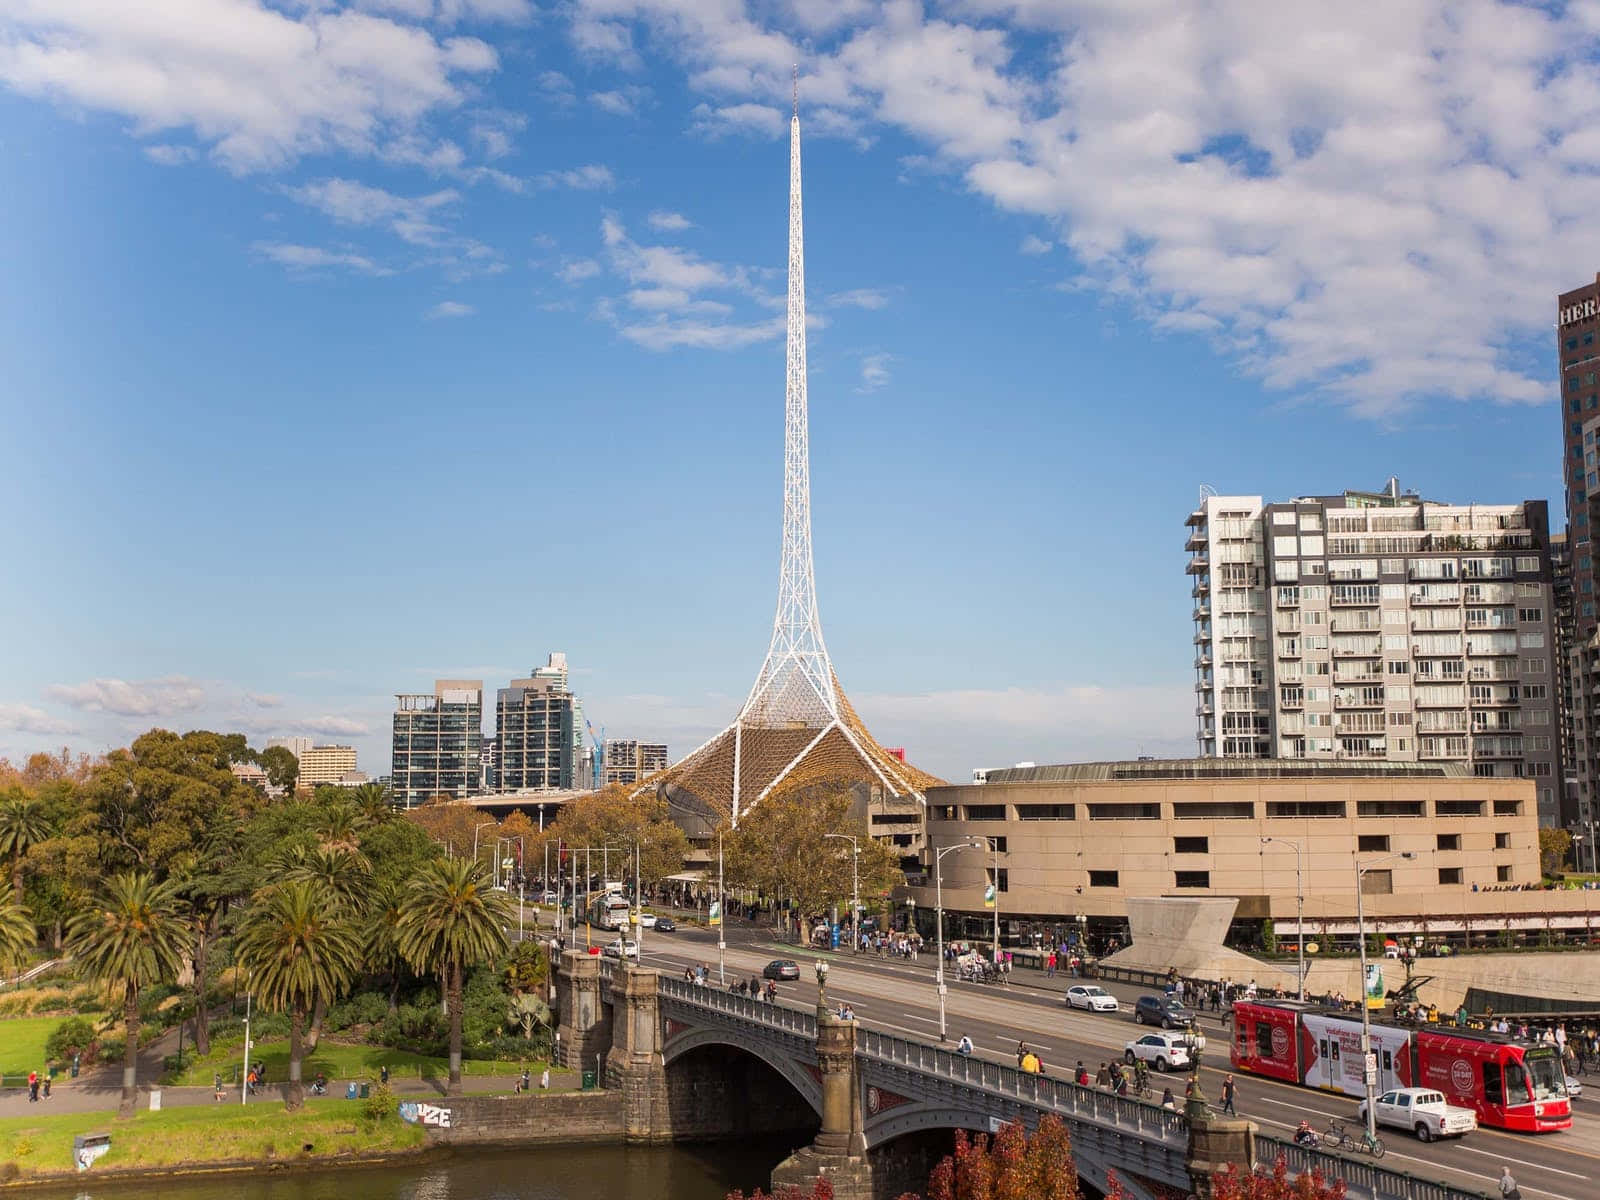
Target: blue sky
(348,346)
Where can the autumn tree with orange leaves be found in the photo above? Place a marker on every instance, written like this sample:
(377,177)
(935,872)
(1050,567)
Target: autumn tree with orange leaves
(1235,1183)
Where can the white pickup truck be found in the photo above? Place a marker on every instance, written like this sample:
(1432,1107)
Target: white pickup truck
(1423,1111)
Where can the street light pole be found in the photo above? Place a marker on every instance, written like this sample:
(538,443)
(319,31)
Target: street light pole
(994,842)
(722,918)
(1300,917)
(1369,1072)
(938,922)
(855,888)
(475,829)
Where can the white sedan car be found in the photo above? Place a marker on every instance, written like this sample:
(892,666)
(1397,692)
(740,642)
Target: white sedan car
(623,948)
(1166,1051)
(1092,997)
(647,920)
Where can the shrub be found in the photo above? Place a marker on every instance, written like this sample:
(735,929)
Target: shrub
(73,1036)
(111,1049)
(364,1008)
(379,1104)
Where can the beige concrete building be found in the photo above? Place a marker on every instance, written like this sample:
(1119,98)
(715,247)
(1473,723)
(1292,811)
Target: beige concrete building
(326,764)
(1081,840)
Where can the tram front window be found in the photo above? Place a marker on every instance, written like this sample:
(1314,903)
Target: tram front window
(1549,1080)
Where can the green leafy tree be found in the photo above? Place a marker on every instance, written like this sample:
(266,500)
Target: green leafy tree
(374,801)
(132,936)
(281,766)
(1554,846)
(17,933)
(302,948)
(381,935)
(779,849)
(73,1036)
(453,920)
(617,817)
(24,824)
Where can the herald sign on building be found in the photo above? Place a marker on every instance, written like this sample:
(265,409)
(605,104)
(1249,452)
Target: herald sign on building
(1580,311)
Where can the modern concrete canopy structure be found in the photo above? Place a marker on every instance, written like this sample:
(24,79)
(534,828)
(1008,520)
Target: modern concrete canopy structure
(796,725)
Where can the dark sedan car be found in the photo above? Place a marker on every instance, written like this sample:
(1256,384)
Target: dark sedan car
(1165,1011)
(781,968)
(665,925)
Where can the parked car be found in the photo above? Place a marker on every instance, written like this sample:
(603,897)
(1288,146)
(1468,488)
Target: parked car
(647,920)
(1574,1087)
(1091,996)
(1423,1111)
(1165,1051)
(781,968)
(1166,1011)
(547,897)
(666,925)
(622,948)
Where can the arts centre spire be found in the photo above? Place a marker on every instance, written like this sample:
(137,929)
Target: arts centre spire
(796,725)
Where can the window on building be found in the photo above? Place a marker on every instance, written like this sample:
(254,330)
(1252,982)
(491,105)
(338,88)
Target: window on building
(1372,843)
(1389,808)
(1502,841)
(997,845)
(1045,812)
(1449,874)
(1502,874)
(986,812)
(1103,879)
(1530,614)
(1458,808)
(1213,810)
(1124,812)
(1377,883)
(1305,808)
(1191,845)
(1001,879)
(1192,879)
(1448,841)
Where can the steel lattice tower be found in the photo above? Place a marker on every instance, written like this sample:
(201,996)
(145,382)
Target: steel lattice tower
(796,722)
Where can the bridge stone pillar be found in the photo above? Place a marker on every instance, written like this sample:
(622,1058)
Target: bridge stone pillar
(635,1066)
(839,1151)
(1215,1143)
(585,1030)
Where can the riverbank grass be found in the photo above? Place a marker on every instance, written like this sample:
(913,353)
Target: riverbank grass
(22,1043)
(199,1136)
(339,1061)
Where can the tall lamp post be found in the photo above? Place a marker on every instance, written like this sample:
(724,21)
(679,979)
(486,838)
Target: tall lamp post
(722,918)
(994,844)
(1369,1073)
(855,888)
(1300,916)
(475,828)
(938,920)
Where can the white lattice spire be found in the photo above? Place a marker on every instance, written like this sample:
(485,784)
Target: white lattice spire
(795,685)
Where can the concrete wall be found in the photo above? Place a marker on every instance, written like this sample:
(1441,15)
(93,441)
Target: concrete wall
(1573,975)
(532,1119)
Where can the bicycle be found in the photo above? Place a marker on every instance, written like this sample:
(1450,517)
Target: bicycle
(1340,1138)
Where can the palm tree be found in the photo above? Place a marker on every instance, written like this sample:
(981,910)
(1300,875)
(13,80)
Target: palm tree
(131,936)
(300,945)
(23,825)
(451,921)
(375,802)
(17,934)
(385,906)
(341,872)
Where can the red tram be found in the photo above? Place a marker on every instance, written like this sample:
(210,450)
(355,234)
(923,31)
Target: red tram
(1508,1084)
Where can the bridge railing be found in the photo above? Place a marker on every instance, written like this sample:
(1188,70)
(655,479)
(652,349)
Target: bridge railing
(1045,1091)
(762,1012)
(1362,1178)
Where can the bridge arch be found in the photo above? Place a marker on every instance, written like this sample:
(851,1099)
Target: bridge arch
(711,1077)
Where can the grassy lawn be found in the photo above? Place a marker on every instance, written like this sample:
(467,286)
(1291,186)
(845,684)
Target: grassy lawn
(194,1135)
(339,1061)
(22,1043)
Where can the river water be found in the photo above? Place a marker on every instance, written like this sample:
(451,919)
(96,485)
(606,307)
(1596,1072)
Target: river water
(701,1172)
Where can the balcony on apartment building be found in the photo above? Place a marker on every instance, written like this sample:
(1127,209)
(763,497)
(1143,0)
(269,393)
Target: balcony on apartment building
(1198,565)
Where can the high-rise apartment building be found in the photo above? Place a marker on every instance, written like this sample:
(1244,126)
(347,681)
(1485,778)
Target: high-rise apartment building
(438,742)
(296,746)
(1378,625)
(628,761)
(488,760)
(325,764)
(538,731)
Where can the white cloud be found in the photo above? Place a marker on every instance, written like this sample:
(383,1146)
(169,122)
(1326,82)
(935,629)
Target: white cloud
(593,177)
(263,699)
(870,298)
(169,156)
(669,222)
(259,86)
(1370,202)
(621,102)
(578,270)
(352,203)
(449,12)
(1036,245)
(310,258)
(332,726)
(145,698)
(874,372)
(26,718)
(449,308)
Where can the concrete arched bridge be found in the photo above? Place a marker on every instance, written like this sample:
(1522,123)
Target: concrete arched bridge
(696,1062)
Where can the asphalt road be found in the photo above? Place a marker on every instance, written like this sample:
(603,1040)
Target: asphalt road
(899,996)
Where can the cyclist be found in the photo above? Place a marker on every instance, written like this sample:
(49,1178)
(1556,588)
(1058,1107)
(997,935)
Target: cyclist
(1141,1076)
(1305,1135)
